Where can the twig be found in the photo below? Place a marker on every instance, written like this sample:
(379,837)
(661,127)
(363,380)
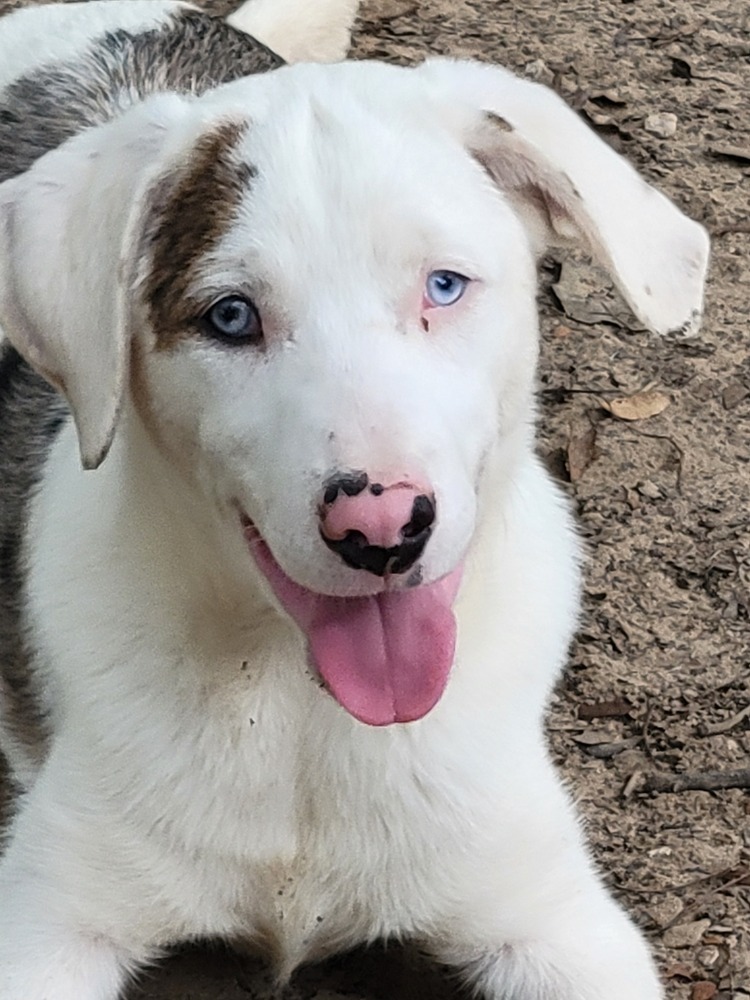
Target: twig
(603,751)
(708,781)
(646,736)
(678,887)
(726,725)
(700,904)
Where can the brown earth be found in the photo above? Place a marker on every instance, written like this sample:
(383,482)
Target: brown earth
(658,683)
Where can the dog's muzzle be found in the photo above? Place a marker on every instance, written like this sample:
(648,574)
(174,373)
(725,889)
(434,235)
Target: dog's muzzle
(380,528)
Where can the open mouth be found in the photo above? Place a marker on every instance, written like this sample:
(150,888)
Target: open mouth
(384,658)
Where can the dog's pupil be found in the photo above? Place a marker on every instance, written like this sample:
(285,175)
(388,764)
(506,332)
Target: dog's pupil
(232,314)
(235,317)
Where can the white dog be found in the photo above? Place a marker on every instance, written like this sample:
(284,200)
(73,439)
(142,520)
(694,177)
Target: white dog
(276,670)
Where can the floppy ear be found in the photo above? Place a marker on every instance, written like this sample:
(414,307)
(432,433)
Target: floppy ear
(68,231)
(568,184)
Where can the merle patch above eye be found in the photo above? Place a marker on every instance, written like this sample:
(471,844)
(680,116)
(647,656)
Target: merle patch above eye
(233,319)
(444,288)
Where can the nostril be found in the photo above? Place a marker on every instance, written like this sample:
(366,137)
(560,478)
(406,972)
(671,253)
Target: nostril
(422,516)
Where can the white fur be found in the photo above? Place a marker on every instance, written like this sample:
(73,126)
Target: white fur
(186,794)
(297,30)
(307,31)
(34,37)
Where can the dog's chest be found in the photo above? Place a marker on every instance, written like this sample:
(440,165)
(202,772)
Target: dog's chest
(304,831)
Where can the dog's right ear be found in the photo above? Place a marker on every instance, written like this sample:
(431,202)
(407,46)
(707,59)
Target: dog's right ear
(68,229)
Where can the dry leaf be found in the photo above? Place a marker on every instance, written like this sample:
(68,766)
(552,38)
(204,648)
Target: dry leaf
(704,990)
(741,153)
(638,407)
(593,737)
(734,394)
(613,709)
(581,450)
(679,970)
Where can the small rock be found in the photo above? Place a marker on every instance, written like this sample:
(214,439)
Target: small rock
(709,956)
(561,331)
(703,990)
(649,489)
(665,911)
(734,394)
(686,935)
(662,123)
(539,71)
(660,852)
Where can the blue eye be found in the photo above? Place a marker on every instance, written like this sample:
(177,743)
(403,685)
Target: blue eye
(444,288)
(234,319)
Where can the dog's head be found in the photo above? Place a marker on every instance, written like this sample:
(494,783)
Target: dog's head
(315,289)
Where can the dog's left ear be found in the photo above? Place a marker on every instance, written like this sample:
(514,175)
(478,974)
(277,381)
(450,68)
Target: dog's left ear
(68,228)
(568,184)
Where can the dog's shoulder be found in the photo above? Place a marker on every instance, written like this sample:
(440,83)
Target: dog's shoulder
(187,51)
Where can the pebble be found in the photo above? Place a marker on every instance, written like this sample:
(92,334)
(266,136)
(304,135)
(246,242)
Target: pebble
(665,911)
(662,123)
(686,935)
(708,956)
(733,394)
(539,71)
(649,489)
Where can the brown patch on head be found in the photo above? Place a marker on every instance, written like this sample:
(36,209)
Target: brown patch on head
(194,211)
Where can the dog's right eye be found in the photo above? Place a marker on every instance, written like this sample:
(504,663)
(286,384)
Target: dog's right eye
(233,319)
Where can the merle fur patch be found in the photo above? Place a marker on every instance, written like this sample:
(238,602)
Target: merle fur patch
(191,53)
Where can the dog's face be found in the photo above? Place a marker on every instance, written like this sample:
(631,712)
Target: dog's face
(326,288)
(359,313)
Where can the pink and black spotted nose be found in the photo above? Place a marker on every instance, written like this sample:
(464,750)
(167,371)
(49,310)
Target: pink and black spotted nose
(377,527)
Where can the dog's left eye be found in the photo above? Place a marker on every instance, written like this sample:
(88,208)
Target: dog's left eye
(444,288)
(234,319)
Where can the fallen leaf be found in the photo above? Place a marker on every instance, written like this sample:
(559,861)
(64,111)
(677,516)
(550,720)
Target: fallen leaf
(741,153)
(704,990)
(582,302)
(613,709)
(734,394)
(593,737)
(581,450)
(607,99)
(641,406)
(678,970)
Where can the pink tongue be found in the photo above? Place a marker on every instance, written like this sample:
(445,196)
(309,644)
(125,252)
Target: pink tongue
(384,658)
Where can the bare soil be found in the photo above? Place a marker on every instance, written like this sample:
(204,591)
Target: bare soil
(659,678)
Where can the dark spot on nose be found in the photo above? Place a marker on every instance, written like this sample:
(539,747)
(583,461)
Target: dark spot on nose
(352,484)
(422,517)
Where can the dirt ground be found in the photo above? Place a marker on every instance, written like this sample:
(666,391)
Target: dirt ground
(658,685)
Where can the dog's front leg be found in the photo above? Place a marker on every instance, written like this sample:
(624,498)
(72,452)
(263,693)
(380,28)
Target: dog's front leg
(62,936)
(535,922)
